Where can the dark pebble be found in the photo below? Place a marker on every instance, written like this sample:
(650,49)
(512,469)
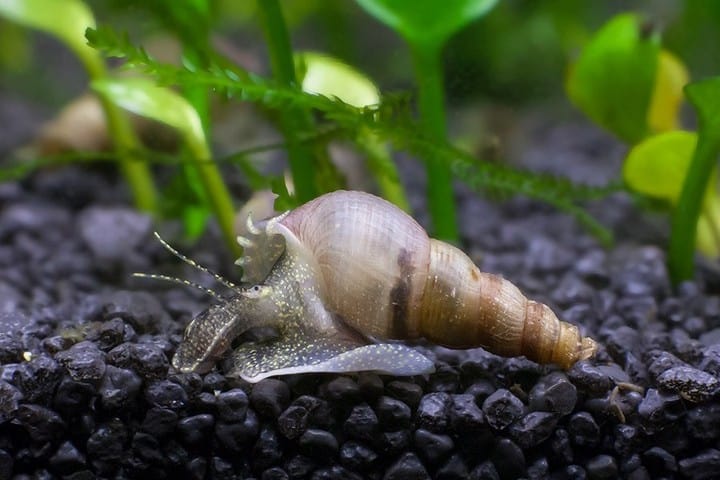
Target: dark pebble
(481,389)
(692,384)
(112,233)
(407,392)
(205,402)
(85,362)
(444,379)
(660,362)
(371,385)
(234,437)
(197,468)
(454,469)
(553,393)
(299,466)
(67,459)
(267,450)
(393,414)
(627,439)
(318,444)
(508,458)
(147,360)
(432,413)
(539,469)
(659,409)
(433,447)
(710,361)
(195,430)
(107,442)
(392,443)
(704,465)
(293,421)
(659,461)
(533,428)
(119,388)
(602,467)
(270,397)
(362,424)
(320,414)
(73,397)
(9,398)
(141,310)
(583,430)
(560,446)
(407,467)
(465,415)
(232,405)
(342,390)
(111,333)
(214,382)
(6,464)
(357,456)
(36,379)
(703,421)
(274,473)
(502,408)
(589,378)
(336,472)
(166,394)
(159,422)
(41,424)
(485,471)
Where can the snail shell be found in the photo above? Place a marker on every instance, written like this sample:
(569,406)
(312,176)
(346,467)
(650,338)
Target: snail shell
(348,268)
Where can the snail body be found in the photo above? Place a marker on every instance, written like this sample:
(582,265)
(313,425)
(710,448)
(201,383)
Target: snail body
(348,269)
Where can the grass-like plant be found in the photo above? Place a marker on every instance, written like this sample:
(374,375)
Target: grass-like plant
(67,20)
(426,27)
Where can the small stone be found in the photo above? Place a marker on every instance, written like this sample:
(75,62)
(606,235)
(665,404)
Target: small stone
(299,466)
(37,379)
(444,379)
(112,233)
(67,459)
(465,415)
(583,430)
(147,360)
(560,446)
(454,469)
(274,473)
(343,390)
(6,464)
(318,444)
(371,385)
(393,414)
(293,421)
(9,398)
(703,421)
(195,430)
(533,428)
(407,392)
(659,461)
(692,384)
(508,459)
(267,450)
(362,424)
(553,393)
(659,409)
(432,413)
(485,471)
(627,440)
(41,424)
(320,414)
(589,378)
(602,467)
(393,443)
(235,437)
(357,456)
(336,472)
(704,465)
(106,442)
(433,447)
(159,422)
(660,362)
(710,362)
(72,396)
(502,408)
(232,405)
(407,467)
(270,397)
(139,309)
(214,382)
(481,390)
(119,388)
(166,394)
(109,334)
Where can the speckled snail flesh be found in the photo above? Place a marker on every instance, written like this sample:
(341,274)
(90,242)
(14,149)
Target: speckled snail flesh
(348,271)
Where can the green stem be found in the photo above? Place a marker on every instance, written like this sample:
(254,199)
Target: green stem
(293,121)
(132,165)
(216,191)
(431,105)
(686,214)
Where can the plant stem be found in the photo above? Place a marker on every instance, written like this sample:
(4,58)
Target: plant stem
(132,165)
(686,214)
(293,121)
(216,191)
(431,104)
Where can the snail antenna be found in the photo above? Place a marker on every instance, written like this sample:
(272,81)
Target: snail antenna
(154,276)
(194,264)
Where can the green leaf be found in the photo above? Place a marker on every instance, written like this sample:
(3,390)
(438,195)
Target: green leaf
(612,81)
(657,166)
(427,22)
(143,97)
(330,77)
(705,97)
(66,20)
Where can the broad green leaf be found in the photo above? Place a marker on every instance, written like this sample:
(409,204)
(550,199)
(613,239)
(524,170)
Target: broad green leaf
(143,97)
(612,81)
(330,77)
(668,95)
(65,19)
(657,166)
(427,22)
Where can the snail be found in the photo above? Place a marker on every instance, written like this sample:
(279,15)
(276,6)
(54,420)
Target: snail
(341,276)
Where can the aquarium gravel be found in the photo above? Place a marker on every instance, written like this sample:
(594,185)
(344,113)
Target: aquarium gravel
(87,391)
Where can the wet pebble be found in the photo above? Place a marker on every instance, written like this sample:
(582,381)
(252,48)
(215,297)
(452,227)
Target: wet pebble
(703,421)
(533,428)
(407,467)
(195,430)
(659,461)
(318,444)
(232,405)
(235,437)
(362,423)
(166,394)
(432,413)
(118,388)
(392,414)
(553,393)
(465,415)
(508,458)
(67,459)
(704,465)
(602,467)
(690,383)
(502,408)
(454,469)
(147,360)
(410,393)
(432,447)
(270,397)
(357,456)
(583,429)
(159,422)
(293,421)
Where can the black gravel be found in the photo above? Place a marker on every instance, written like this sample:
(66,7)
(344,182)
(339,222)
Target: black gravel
(87,391)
